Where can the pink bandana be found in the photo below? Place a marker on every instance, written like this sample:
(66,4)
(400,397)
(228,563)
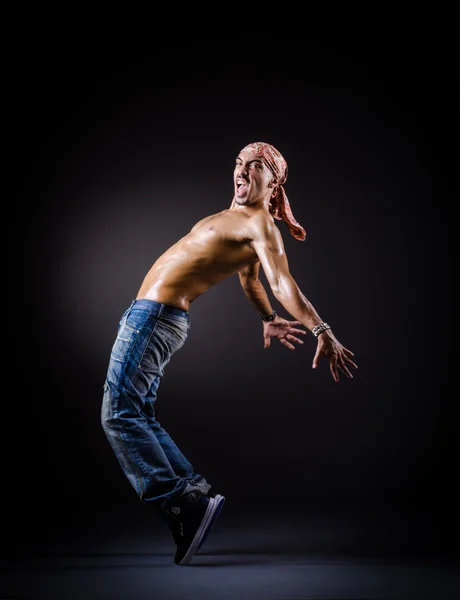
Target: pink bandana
(279,205)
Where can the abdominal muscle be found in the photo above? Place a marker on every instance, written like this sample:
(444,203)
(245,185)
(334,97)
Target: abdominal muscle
(217,247)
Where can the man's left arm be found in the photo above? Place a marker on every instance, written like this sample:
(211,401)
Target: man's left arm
(269,246)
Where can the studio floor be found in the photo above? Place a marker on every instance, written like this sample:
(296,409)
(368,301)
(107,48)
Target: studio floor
(126,554)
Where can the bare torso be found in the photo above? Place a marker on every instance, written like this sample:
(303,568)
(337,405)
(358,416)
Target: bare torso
(217,247)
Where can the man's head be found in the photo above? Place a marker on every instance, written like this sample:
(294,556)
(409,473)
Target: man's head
(278,170)
(271,157)
(253,179)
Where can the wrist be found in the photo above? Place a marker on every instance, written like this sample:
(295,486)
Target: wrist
(319,328)
(268,318)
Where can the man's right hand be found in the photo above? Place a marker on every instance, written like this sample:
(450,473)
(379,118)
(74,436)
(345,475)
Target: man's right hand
(283,330)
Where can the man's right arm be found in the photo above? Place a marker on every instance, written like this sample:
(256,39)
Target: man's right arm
(282,329)
(254,289)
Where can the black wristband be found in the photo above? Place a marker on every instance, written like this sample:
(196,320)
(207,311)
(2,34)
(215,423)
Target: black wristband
(269,317)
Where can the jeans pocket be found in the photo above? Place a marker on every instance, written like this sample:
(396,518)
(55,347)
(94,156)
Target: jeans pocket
(166,338)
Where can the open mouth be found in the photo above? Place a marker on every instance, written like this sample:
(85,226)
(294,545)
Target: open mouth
(241,186)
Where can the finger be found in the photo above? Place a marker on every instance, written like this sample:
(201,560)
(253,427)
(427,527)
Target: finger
(266,341)
(334,371)
(316,360)
(287,344)
(294,339)
(344,369)
(348,351)
(294,330)
(351,362)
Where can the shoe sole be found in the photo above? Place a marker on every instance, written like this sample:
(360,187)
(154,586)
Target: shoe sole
(210,516)
(220,499)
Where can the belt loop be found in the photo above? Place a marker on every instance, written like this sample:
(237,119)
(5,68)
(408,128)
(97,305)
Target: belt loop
(131,305)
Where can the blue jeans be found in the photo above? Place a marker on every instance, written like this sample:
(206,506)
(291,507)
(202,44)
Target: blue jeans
(148,335)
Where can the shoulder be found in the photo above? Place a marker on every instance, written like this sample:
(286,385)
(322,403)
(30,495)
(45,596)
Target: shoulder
(264,227)
(266,234)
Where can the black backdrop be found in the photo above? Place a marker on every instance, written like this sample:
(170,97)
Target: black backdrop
(121,152)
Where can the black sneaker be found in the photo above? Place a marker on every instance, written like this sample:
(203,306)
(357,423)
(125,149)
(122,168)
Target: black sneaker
(190,518)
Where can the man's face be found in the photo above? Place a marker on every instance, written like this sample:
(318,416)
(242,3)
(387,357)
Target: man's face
(251,178)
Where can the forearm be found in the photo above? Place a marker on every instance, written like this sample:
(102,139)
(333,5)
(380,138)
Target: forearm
(257,296)
(293,300)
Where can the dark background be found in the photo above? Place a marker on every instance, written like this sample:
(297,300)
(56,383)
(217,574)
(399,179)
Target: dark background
(123,150)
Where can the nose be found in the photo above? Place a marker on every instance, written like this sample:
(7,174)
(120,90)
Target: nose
(242,171)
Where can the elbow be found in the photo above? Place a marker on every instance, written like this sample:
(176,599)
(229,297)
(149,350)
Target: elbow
(283,288)
(279,295)
(248,283)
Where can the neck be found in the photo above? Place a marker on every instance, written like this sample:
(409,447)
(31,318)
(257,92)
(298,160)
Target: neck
(262,204)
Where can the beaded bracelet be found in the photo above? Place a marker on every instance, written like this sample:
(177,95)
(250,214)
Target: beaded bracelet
(317,329)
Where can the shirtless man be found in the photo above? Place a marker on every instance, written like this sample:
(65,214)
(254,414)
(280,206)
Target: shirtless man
(235,240)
